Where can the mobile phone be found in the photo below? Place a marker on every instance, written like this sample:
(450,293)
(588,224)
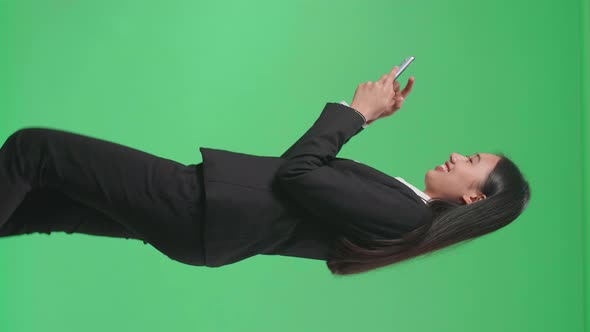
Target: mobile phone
(403,66)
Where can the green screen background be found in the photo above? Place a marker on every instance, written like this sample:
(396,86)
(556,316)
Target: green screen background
(169,77)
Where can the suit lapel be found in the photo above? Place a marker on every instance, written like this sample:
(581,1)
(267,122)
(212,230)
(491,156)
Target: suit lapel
(375,175)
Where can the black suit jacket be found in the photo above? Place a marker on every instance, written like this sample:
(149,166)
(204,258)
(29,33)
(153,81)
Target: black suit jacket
(297,204)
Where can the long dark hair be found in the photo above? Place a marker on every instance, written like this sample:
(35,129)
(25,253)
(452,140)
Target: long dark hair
(507,195)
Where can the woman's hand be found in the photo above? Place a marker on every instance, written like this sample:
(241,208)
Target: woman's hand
(382,98)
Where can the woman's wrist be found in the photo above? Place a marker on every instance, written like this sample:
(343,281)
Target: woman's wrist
(361,112)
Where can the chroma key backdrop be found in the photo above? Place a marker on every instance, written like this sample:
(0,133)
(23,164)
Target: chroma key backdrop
(170,77)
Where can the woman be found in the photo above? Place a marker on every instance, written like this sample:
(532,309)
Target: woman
(307,203)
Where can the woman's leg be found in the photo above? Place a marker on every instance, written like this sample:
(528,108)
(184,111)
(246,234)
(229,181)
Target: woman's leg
(154,199)
(47,210)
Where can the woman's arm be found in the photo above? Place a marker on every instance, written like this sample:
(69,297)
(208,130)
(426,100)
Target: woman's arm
(355,121)
(337,196)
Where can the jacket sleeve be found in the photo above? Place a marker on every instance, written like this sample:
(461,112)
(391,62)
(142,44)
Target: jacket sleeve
(353,117)
(365,125)
(340,197)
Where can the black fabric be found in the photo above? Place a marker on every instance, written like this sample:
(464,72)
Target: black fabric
(57,181)
(298,203)
(229,207)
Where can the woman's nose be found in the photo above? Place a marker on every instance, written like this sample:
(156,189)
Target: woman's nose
(454,157)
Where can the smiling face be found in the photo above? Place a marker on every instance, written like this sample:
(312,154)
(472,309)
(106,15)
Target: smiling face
(466,174)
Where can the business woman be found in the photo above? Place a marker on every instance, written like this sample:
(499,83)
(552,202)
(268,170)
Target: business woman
(307,203)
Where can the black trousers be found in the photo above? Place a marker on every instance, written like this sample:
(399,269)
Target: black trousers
(57,181)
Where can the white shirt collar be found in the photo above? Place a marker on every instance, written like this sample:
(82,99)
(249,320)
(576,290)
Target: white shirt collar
(418,192)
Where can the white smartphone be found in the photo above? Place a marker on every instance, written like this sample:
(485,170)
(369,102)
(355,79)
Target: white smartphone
(403,66)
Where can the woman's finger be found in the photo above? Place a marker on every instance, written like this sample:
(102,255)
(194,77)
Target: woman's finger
(396,86)
(399,102)
(391,76)
(408,87)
